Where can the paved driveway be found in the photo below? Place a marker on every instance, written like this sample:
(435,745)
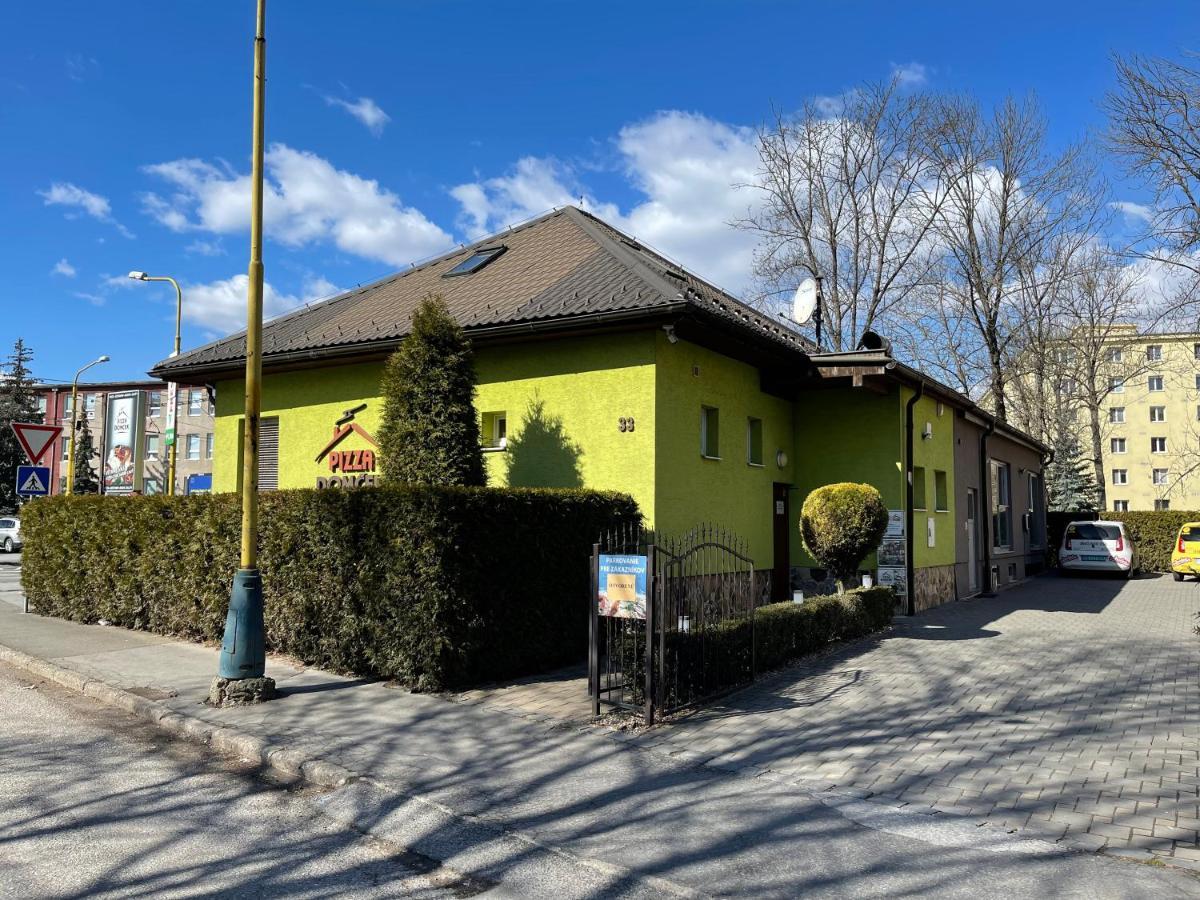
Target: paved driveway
(1067,706)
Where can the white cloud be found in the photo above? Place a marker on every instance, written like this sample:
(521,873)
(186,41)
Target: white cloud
(78,200)
(910,75)
(220,306)
(64,268)
(306,200)
(1138,212)
(94,299)
(686,166)
(205,248)
(365,110)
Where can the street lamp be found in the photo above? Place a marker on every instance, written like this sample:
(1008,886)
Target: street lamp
(74,418)
(172,387)
(242,663)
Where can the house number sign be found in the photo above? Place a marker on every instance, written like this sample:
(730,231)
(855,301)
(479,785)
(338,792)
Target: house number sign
(625,423)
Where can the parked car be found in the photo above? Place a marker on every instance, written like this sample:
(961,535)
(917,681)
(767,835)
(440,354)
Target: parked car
(10,534)
(1097,547)
(1185,557)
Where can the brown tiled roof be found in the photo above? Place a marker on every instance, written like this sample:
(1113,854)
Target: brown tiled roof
(564,269)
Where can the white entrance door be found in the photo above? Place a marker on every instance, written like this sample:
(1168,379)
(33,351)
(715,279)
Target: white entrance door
(972,549)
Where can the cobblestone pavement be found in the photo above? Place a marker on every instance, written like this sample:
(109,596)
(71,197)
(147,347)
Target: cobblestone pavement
(1070,707)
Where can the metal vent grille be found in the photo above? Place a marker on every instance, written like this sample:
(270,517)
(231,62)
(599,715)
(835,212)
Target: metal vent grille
(268,454)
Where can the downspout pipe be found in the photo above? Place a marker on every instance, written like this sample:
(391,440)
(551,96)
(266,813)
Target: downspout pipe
(909,543)
(985,485)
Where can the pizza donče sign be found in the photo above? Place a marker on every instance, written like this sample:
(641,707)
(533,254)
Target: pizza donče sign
(349,467)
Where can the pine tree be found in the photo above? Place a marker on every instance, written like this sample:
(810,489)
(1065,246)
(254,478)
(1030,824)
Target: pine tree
(85,451)
(1071,480)
(18,403)
(430,432)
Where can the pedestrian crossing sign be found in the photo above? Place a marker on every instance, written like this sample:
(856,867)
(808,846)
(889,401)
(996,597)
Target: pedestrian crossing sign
(33,481)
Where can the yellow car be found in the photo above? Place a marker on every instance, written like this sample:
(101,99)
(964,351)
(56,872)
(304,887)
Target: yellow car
(1185,558)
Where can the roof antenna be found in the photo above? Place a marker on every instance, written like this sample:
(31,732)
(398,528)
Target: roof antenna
(582,202)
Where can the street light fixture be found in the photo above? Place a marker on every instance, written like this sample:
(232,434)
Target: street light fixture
(75,418)
(172,387)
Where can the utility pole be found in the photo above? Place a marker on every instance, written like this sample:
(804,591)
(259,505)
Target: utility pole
(74,419)
(242,664)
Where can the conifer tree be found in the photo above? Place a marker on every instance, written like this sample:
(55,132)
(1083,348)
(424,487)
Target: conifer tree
(1071,480)
(430,432)
(85,451)
(18,403)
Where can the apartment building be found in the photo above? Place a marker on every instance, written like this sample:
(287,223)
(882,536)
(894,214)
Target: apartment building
(193,426)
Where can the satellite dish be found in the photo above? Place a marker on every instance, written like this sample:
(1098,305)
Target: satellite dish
(805,302)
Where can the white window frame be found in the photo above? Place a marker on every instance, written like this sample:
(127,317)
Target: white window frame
(1116,385)
(1158,414)
(1154,353)
(1120,506)
(705,409)
(195,402)
(1151,381)
(1162,503)
(1116,445)
(208,445)
(1116,415)
(188,440)
(1160,476)
(1158,445)
(152,446)
(1120,476)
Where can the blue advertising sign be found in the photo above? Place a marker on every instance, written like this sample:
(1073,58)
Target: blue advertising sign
(622,586)
(33,481)
(199,484)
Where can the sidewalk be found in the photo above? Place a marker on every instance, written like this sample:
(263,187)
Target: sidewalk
(557,809)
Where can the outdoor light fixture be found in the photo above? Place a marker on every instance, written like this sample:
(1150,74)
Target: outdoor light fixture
(138,276)
(75,418)
(671,336)
(172,387)
(781,459)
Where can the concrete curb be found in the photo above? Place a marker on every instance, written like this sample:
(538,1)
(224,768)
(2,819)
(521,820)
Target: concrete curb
(229,742)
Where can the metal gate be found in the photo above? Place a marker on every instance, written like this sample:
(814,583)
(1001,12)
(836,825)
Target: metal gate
(690,637)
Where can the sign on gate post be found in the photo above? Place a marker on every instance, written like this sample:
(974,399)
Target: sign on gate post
(621,592)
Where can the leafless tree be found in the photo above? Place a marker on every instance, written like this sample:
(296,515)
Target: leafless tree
(850,196)
(1014,218)
(1154,117)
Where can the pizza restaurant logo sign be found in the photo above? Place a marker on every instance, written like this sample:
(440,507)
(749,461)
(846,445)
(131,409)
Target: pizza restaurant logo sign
(348,468)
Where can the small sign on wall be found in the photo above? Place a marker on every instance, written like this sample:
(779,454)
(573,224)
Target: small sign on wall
(895,525)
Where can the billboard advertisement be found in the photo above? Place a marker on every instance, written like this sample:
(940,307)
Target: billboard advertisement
(124,441)
(622,587)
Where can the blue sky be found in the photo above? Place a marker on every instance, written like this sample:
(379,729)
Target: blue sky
(400,128)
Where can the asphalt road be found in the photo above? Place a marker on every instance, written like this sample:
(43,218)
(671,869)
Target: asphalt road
(94,803)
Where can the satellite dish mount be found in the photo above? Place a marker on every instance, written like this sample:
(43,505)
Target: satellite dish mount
(807,303)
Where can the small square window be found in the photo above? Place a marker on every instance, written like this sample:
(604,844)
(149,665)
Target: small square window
(475,261)
(1114,354)
(1120,476)
(1162,504)
(1158,476)
(1116,415)
(941,496)
(710,436)
(494,432)
(754,442)
(918,476)
(1116,386)
(1158,414)
(1154,353)
(1120,506)
(1158,445)
(1154,383)
(1117,445)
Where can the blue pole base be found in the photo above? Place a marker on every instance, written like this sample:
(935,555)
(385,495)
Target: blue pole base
(243,648)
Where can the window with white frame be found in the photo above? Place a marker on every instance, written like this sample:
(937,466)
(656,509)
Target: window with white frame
(710,424)
(1116,386)
(1158,445)
(155,403)
(1154,383)
(1001,505)
(1120,506)
(66,448)
(208,445)
(193,446)
(1117,445)
(152,446)
(42,405)
(1196,350)
(1116,415)
(493,431)
(195,402)
(1162,503)
(1154,353)
(1120,476)
(1114,354)
(1158,476)
(1158,414)
(89,405)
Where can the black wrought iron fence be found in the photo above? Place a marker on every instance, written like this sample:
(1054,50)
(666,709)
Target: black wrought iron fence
(672,619)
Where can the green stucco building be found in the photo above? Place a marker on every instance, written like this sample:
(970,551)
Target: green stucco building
(602,364)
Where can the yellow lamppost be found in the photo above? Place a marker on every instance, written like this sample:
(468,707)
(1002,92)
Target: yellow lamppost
(74,418)
(172,387)
(243,656)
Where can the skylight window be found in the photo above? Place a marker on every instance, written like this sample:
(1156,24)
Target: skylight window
(475,261)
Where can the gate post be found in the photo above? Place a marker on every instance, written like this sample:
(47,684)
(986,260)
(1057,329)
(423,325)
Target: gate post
(651,601)
(594,633)
(753,626)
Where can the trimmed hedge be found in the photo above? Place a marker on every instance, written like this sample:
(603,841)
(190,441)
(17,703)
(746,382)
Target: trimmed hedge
(1153,533)
(705,661)
(433,586)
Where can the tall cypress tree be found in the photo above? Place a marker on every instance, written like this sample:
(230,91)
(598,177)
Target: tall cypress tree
(85,451)
(18,403)
(430,431)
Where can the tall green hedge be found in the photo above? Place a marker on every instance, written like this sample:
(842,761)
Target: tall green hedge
(433,586)
(1154,533)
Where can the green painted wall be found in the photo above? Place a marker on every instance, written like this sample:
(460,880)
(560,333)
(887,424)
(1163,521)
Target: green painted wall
(728,491)
(934,454)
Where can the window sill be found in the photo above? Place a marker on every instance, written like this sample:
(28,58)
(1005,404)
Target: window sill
(940,510)
(493,449)
(713,458)
(754,465)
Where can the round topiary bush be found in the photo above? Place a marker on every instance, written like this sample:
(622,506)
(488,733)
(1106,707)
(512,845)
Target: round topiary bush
(841,524)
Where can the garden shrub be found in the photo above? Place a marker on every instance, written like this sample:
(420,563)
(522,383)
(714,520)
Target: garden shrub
(1153,533)
(841,523)
(433,586)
